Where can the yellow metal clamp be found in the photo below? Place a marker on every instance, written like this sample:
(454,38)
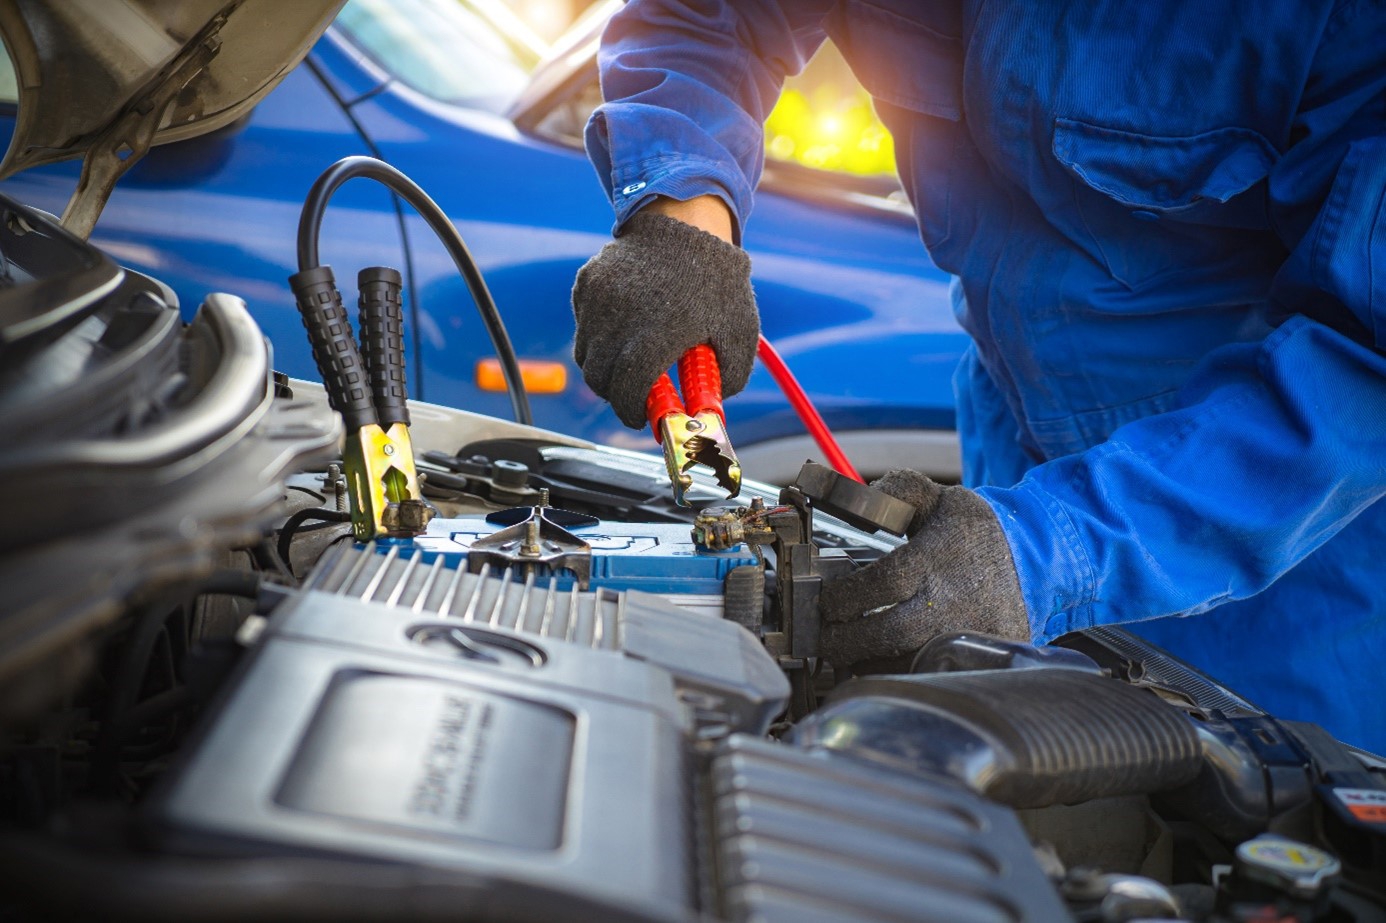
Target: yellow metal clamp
(369,392)
(384,486)
(697,440)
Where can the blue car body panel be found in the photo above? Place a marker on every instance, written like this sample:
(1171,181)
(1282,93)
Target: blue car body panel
(219,213)
(850,297)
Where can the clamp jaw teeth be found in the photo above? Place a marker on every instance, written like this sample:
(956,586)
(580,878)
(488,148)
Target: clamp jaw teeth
(700,440)
(717,454)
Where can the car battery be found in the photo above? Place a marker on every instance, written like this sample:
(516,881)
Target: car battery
(651,557)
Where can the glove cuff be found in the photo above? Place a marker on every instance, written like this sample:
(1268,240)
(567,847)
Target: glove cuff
(680,237)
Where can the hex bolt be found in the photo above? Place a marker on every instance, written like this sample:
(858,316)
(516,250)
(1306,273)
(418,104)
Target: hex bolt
(531,548)
(507,474)
(338,483)
(543,496)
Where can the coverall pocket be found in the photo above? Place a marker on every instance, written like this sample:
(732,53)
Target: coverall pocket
(1133,186)
(909,57)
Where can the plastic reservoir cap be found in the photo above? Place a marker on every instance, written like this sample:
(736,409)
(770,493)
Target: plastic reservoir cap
(1288,865)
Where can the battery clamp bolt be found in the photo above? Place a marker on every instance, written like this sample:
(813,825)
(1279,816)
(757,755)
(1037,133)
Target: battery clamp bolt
(338,485)
(531,547)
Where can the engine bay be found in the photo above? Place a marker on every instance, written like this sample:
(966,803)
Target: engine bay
(565,697)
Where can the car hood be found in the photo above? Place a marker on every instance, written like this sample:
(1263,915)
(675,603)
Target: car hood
(162,70)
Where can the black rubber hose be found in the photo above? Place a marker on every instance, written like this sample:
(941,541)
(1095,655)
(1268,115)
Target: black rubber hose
(124,692)
(148,625)
(292,524)
(154,709)
(310,221)
(231,582)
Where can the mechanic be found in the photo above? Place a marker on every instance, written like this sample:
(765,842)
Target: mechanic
(1168,227)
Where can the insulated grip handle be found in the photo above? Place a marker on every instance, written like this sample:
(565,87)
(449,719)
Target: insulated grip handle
(334,350)
(700,379)
(663,400)
(382,342)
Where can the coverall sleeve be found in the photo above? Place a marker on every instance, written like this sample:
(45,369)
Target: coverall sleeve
(1274,446)
(688,85)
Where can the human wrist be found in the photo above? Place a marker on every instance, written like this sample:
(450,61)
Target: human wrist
(705,212)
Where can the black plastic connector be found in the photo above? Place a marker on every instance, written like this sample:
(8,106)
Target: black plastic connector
(334,350)
(382,341)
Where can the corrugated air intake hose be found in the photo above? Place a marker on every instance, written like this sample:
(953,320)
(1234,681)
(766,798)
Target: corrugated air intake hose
(1025,738)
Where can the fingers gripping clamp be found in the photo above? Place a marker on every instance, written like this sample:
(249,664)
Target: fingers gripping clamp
(693,430)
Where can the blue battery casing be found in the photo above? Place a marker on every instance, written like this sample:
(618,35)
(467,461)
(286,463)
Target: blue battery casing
(652,557)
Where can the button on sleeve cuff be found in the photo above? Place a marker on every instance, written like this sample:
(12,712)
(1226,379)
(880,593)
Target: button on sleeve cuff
(685,180)
(642,151)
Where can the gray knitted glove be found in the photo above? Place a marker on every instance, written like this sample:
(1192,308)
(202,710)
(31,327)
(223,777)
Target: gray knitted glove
(955,573)
(652,294)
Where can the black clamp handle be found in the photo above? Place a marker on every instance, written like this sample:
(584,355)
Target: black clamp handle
(382,342)
(334,350)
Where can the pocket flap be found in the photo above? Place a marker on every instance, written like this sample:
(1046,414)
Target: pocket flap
(1163,173)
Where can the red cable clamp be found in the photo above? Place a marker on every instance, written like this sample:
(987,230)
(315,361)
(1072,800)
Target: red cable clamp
(693,429)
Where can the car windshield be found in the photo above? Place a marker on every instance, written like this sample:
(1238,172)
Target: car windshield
(468,52)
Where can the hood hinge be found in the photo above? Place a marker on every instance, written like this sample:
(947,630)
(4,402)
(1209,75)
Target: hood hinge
(122,143)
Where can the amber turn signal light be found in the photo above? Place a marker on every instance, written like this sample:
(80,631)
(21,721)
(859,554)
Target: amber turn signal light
(539,376)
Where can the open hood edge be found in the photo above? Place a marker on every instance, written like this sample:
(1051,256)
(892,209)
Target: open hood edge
(107,79)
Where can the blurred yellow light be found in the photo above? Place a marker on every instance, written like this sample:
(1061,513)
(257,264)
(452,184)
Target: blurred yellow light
(829,125)
(781,147)
(836,130)
(540,377)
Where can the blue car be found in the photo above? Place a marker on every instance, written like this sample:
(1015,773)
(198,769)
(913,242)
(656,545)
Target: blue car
(443,92)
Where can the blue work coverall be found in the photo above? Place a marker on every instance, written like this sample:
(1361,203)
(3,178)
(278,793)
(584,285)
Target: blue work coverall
(1168,223)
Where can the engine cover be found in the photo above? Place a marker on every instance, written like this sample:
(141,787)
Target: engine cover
(596,752)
